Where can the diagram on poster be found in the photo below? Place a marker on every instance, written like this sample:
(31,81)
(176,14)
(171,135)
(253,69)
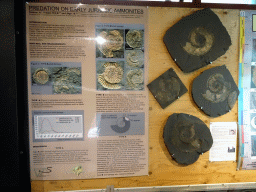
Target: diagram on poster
(48,126)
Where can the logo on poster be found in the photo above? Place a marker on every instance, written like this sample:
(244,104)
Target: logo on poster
(40,172)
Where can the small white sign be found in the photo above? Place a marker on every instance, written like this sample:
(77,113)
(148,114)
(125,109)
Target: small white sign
(224,141)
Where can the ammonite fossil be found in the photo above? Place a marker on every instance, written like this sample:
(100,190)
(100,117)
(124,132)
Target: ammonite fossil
(41,76)
(186,138)
(197,40)
(112,76)
(217,89)
(135,79)
(134,58)
(200,42)
(113,41)
(134,38)
(167,88)
(214,91)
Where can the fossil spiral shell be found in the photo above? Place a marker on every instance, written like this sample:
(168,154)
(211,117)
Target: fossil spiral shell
(134,38)
(41,76)
(134,58)
(135,79)
(112,76)
(201,42)
(113,42)
(218,89)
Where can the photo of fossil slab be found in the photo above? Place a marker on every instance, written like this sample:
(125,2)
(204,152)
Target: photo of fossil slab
(215,91)
(253,141)
(134,58)
(135,79)
(66,80)
(109,75)
(197,40)
(41,76)
(134,39)
(253,100)
(253,76)
(254,50)
(110,43)
(186,137)
(167,88)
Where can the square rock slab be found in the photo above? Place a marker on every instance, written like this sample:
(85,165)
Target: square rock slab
(167,88)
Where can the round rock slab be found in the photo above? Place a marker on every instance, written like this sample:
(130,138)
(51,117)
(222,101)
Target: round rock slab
(186,137)
(215,91)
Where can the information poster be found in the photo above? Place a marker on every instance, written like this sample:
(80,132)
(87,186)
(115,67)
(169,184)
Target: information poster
(88,102)
(247,85)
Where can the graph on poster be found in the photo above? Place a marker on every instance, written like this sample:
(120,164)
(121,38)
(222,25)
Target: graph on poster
(58,126)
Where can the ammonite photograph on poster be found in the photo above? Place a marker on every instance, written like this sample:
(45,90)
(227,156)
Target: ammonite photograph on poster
(135,79)
(186,138)
(134,58)
(197,40)
(110,75)
(215,91)
(40,76)
(167,88)
(134,39)
(110,43)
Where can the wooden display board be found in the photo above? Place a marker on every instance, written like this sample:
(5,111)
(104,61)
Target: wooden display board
(163,171)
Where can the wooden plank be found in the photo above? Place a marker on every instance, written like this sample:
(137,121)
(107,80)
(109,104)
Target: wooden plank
(163,171)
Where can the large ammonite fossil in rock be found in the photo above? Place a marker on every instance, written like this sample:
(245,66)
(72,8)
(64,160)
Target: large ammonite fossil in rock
(135,79)
(134,38)
(186,138)
(214,91)
(112,76)
(134,58)
(41,76)
(112,41)
(167,88)
(197,40)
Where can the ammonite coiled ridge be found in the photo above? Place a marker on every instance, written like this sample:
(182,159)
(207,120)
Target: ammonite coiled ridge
(218,89)
(112,76)
(113,42)
(134,58)
(200,42)
(41,76)
(106,84)
(134,38)
(135,79)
